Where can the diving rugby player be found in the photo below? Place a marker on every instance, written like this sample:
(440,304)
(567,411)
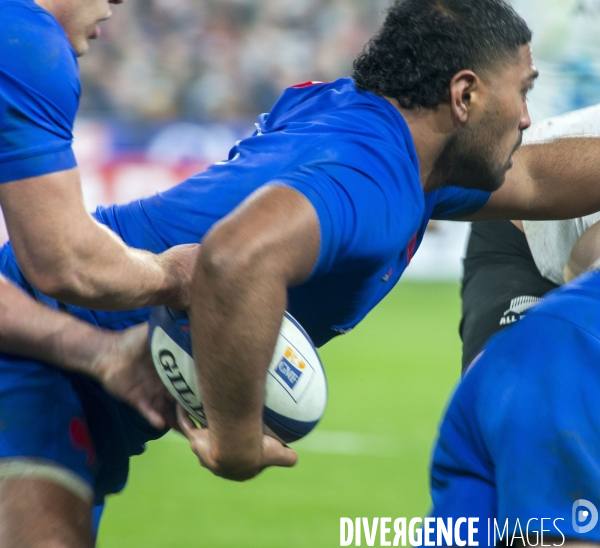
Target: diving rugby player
(319,212)
(58,244)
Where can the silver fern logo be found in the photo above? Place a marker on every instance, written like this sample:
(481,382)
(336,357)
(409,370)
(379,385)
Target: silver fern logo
(518,307)
(522,304)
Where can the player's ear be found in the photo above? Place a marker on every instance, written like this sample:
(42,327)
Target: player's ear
(465,93)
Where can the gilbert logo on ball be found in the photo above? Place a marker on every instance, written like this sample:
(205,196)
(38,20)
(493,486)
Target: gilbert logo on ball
(295,389)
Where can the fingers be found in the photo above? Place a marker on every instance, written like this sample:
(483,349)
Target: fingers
(132,378)
(274,452)
(277,454)
(199,439)
(150,397)
(169,414)
(151,404)
(179,263)
(140,331)
(136,338)
(185,423)
(152,416)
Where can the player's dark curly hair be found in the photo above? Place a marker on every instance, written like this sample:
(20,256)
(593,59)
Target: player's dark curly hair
(424,43)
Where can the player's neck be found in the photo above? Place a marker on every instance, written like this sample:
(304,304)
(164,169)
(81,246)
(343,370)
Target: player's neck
(429,129)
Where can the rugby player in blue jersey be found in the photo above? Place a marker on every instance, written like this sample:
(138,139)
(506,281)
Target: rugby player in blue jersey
(519,446)
(319,212)
(438,102)
(60,247)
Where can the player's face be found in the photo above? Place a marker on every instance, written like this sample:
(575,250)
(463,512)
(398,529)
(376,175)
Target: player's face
(80,19)
(480,153)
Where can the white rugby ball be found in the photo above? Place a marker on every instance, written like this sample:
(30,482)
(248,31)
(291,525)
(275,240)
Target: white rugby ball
(296,387)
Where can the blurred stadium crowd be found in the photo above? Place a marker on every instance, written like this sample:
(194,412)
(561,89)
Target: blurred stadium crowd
(161,59)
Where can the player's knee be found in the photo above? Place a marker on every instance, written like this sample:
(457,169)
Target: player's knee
(60,543)
(38,513)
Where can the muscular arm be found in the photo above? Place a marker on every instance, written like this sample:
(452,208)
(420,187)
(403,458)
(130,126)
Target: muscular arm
(555,180)
(239,294)
(67,255)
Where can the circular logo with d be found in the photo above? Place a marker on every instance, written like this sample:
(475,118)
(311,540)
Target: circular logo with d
(585,516)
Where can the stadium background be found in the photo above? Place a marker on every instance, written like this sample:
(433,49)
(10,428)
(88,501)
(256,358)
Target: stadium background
(167,89)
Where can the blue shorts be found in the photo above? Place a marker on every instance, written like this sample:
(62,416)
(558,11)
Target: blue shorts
(520,440)
(64,427)
(44,433)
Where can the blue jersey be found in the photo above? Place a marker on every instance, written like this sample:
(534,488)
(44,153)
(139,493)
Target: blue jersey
(39,92)
(350,153)
(520,441)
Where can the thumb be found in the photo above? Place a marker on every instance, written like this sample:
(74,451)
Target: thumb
(186,426)
(277,454)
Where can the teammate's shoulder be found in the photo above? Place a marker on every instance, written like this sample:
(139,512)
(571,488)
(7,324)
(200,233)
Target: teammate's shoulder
(26,26)
(34,49)
(25,13)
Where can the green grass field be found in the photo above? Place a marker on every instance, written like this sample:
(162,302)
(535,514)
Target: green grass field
(388,384)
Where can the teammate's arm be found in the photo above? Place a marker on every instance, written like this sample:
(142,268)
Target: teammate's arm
(67,255)
(559,179)
(239,295)
(120,361)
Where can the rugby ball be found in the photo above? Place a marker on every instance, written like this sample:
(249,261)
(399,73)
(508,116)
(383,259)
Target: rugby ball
(296,387)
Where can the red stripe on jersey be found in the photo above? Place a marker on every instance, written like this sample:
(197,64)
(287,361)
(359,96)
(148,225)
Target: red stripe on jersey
(306,84)
(411,248)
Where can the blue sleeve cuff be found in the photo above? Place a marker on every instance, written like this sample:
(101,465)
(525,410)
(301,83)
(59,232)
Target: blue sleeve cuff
(35,166)
(456,203)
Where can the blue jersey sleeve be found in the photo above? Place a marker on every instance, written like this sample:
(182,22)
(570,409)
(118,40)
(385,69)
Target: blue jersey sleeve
(366,199)
(39,93)
(455,203)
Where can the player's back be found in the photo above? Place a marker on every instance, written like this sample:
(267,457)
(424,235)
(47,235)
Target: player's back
(351,155)
(312,130)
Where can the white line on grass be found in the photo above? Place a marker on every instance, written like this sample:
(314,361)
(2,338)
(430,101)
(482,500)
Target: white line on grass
(338,443)
(349,443)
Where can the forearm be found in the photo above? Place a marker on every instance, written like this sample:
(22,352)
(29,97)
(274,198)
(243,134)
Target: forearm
(96,269)
(564,178)
(120,361)
(559,179)
(67,255)
(239,295)
(236,314)
(32,330)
